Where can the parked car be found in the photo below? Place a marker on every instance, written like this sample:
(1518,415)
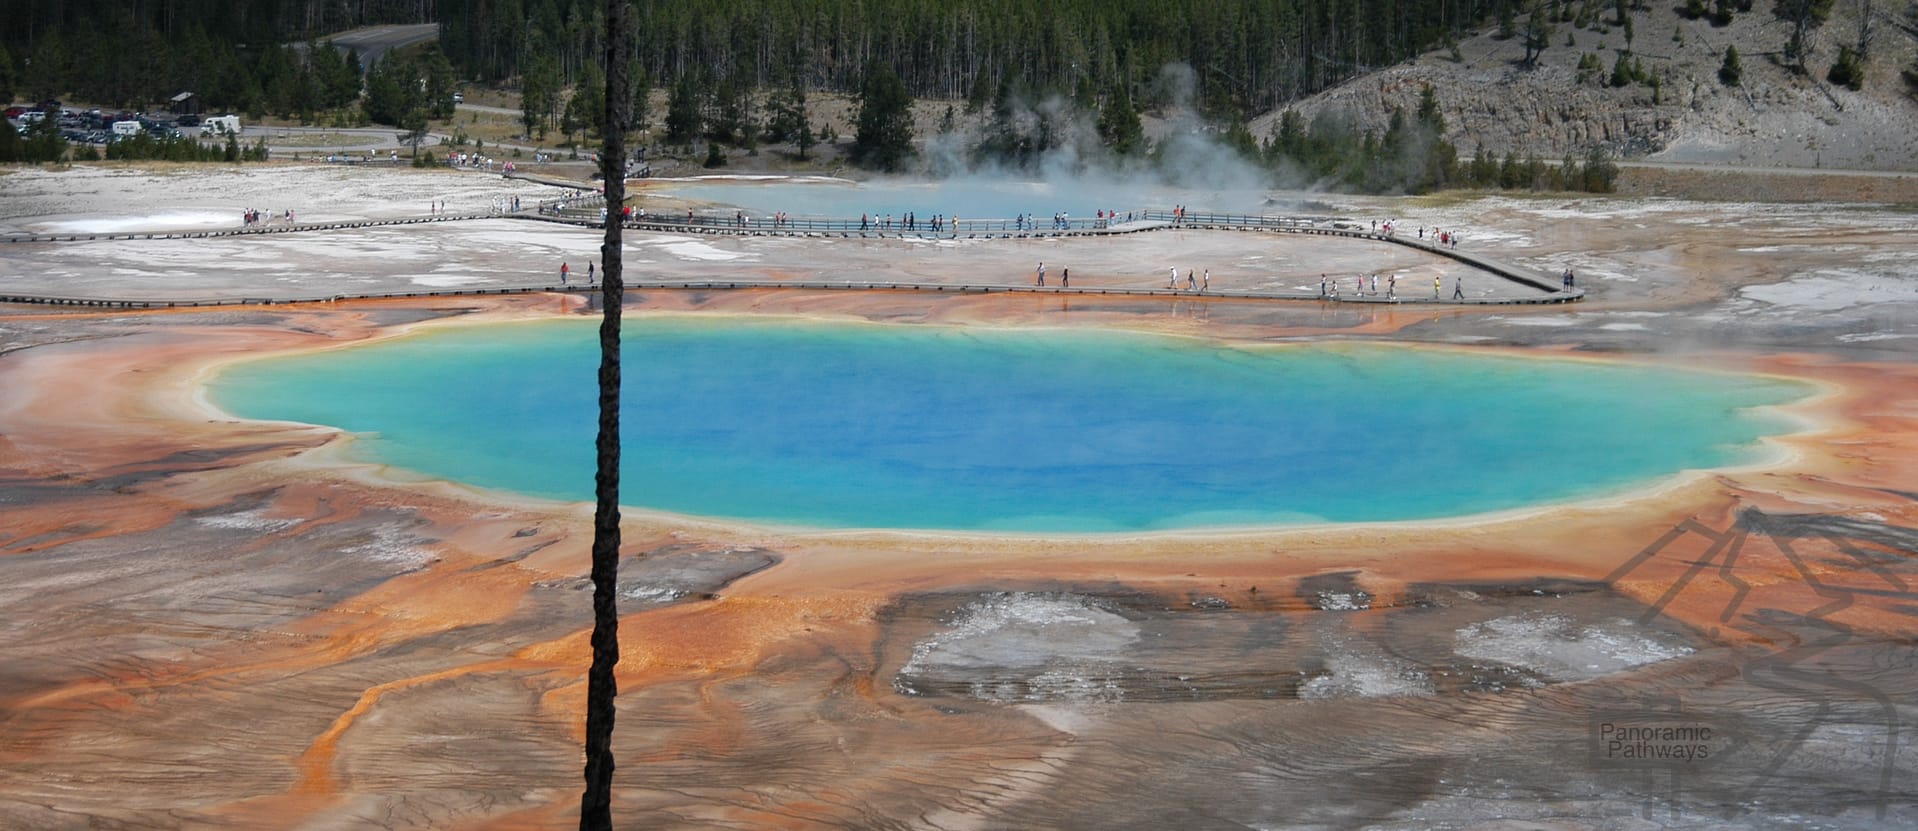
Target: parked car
(187,121)
(458,98)
(15,112)
(214,125)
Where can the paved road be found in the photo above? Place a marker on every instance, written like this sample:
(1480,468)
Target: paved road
(1709,167)
(375,41)
(284,143)
(481,108)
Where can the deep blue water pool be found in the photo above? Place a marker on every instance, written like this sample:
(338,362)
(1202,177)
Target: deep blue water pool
(884,426)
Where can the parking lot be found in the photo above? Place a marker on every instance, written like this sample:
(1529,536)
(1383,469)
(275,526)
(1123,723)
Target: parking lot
(99,127)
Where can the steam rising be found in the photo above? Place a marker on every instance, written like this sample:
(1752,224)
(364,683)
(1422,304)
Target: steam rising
(1056,142)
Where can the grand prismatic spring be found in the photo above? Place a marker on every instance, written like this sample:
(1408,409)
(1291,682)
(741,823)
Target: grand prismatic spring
(1008,430)
(292,531)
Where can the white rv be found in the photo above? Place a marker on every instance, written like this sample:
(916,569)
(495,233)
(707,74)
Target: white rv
(127,128)
(219,125)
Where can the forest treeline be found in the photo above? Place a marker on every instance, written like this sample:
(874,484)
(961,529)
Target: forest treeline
(234,54)
(1060,79)
(1250,55)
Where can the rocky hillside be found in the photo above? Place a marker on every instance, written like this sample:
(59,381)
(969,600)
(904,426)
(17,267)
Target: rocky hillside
(1774,118)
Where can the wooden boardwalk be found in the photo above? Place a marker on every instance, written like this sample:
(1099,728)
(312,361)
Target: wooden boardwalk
(1549,290)
(782,285)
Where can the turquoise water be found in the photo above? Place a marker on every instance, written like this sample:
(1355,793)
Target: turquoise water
(968,199)
(843,425)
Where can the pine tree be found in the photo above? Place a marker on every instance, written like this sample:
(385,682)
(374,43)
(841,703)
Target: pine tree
(1119,126)
(539,94)
(1290,141)
(786,113)
(642,104)
(1428,112)
(1622,70)
(685,110)
(1599,171)
(1590,68)
(1848,71)
(884,137)
(7,77)
(413,124)
(1538,35)
(587,105)
(1730,72)
(805,140)
(386,91)
(11,147)
(980,94)
(432,67)
(732,120)
(46,71)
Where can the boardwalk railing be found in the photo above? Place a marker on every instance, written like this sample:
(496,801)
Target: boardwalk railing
(583,208)
(788,285)
(251,230)
(1281,223)
(740,222)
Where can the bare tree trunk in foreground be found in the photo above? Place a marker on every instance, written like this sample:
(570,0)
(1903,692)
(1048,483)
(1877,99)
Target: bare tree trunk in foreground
(595,805)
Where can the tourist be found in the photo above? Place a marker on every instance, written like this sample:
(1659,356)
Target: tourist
(1042,274)
(1065,278)
(589,272)
(1172,279)
(1192,279)
(1458,288)
(1436,285)
(1322,290)
(1208,281)
(1375,282)
(1391,286)
(563,271)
